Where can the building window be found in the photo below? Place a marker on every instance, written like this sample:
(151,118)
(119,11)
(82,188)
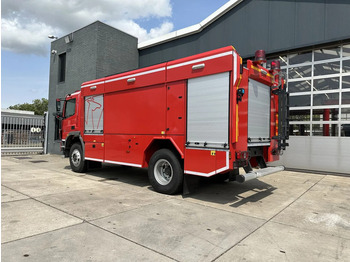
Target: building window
(326,99)
(301,100)
(299,115)
(327,53)
(325,114)
(345,130)
(299,86)
(325,130)
(327,68)
(301,57)
(323,84)
(299,130)
(319,85)
(62,67)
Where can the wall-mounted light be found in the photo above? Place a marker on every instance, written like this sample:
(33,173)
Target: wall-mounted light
(68,38)
(52,37)
(53,52)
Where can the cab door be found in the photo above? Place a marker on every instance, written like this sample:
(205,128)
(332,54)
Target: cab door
(70,117)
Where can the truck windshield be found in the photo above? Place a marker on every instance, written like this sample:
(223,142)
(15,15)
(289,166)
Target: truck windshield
(69,108)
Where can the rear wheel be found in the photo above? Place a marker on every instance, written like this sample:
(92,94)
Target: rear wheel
(165,172)
(77,163)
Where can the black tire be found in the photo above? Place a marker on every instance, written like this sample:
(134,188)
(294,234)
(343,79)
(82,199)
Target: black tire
(165,172)
(76,159)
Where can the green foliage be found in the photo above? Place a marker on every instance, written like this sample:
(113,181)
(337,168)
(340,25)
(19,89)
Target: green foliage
(39,106)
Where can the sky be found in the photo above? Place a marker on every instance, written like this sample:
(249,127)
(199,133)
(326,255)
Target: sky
(26,24)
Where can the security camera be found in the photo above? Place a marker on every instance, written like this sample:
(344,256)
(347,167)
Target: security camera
(54,52)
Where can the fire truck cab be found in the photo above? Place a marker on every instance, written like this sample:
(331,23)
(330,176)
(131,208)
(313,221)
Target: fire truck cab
(204,115)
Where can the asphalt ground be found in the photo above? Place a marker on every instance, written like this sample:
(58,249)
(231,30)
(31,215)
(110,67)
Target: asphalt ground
(50,213)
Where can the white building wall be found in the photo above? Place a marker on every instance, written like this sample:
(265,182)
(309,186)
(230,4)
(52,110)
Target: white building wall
(329,154)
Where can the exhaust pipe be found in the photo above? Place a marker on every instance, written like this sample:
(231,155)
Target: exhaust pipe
(258,173)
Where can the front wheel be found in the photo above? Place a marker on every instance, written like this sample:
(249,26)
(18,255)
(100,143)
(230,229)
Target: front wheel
(77,163)
(165,172)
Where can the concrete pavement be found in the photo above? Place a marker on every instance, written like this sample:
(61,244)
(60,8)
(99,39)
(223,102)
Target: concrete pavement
(50,213)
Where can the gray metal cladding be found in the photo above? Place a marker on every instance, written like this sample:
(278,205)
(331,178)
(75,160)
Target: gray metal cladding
(274,26)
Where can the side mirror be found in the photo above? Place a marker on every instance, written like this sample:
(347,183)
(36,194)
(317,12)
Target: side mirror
(58,105)
(58,115)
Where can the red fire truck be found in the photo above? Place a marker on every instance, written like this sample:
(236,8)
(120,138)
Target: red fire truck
(204,115)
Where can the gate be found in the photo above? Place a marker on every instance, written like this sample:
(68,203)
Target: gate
(22,132)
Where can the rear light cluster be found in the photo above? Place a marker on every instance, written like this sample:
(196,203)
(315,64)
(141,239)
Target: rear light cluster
(242,158)
(242,155)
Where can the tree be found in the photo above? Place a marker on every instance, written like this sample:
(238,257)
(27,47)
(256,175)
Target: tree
(39,106)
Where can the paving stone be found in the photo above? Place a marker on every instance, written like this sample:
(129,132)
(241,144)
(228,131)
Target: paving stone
(276,242)
(26,218)
(182,230)
(81,242)
(8,195)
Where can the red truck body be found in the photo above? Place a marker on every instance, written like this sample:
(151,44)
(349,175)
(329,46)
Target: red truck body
(202,115)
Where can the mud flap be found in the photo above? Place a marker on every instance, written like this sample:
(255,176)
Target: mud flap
(190,184)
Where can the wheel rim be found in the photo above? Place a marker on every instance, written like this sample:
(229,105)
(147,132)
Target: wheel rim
(76,157)
(163,172)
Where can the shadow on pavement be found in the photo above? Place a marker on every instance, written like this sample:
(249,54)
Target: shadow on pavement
(204,189)
(124,174)
(233,193)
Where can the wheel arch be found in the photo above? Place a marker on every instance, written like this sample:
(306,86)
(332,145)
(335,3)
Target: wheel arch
(72,138)
(162,143)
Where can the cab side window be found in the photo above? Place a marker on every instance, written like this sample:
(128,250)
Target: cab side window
(70,108)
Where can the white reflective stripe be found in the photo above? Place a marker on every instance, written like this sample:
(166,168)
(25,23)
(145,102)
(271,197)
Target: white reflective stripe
(93,84)
(213,172)
(234,67)
(258,144)
(94,159)
(75,93)
(122,163)
(163,68)
(200,60)
(199,174)
(138,74)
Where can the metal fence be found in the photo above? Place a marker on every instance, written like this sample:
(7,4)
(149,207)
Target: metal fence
(22,134)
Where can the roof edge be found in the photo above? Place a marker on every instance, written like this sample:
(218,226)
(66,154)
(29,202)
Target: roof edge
(191,29)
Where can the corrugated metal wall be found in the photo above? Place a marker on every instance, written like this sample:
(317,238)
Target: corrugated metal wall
(274,25)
